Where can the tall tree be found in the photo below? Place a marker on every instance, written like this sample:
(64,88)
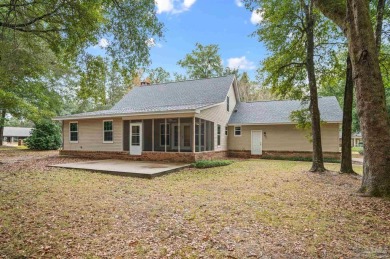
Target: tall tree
(65,29)
(244,86)
(346,150)
(296,35)
(203,62)
(353,17)
(25,90)
(310,20)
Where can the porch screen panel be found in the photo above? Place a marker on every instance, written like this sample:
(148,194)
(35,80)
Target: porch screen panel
(126,135)
(203,135)
(158,142)
(212,136)
(208,136)
(197,132)
(186,135)
(147,135)
(172,138)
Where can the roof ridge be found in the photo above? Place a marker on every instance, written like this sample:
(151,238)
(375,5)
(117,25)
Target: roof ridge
(168,105)
(264,101)
(188,80)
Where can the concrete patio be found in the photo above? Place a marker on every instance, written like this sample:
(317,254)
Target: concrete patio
(144,169)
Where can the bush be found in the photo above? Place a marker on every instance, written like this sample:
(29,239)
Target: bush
(45,136)
(211,163)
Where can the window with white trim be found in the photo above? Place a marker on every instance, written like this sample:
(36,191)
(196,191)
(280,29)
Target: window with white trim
(73,131)
(108,135)
(226,130)
(218,135)
(164,136)
(237,131)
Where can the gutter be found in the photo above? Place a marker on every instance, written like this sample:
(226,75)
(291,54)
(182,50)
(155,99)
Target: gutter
(116,115)
(275,123)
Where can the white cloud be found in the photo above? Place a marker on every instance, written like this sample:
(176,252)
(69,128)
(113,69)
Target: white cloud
(256,17)
(241,63)
(173,6)
(103,43)
(239,3)
(152,43)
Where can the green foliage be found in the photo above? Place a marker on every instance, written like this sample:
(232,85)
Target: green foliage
(92,80)
(158,75)
(69,27)
(203,62)
(211,163)
(44,43)
(302,119)
(282,30)
(45,136)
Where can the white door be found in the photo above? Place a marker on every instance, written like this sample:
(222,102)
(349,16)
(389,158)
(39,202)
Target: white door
(257,142)
(135,138)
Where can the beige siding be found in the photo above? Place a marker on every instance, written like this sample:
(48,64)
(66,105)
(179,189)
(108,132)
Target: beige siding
(285,138)
(219,115)
(91,135)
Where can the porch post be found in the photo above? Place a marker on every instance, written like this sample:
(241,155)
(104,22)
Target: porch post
(193,134)
(179,136)
(165,134)
(153,135)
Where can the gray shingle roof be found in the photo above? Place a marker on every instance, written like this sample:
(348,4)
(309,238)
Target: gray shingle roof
(175,96)
(274,112)
(178,95)
(16,132)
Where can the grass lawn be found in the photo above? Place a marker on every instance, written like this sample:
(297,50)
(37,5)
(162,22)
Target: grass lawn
(250,208)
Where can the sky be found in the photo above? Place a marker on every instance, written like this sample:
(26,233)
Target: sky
(223,22)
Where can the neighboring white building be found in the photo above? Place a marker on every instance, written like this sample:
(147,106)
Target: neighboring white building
(13,134)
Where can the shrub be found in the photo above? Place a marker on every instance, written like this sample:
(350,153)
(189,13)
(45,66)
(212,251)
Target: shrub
(211,163)
(45,136)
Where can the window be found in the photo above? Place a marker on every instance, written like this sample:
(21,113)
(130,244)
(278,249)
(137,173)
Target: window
(218,135)
(107,132)
(226,130)
(227,103)
(74,132)
(237,131)
(163,135)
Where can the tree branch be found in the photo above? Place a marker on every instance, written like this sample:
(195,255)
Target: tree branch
(21,25)
(334,10)
(300,64)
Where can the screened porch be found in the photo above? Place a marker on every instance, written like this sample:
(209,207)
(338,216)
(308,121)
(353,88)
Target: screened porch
(168,135)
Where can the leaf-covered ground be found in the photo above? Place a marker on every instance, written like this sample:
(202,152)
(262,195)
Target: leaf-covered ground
(253,208)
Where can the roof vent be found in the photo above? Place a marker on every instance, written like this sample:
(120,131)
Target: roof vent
(235,110)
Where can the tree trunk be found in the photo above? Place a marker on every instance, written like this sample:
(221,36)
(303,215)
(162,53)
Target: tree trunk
(370,92)
(346,152)
(371,102)
(318,161)
(2,122)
